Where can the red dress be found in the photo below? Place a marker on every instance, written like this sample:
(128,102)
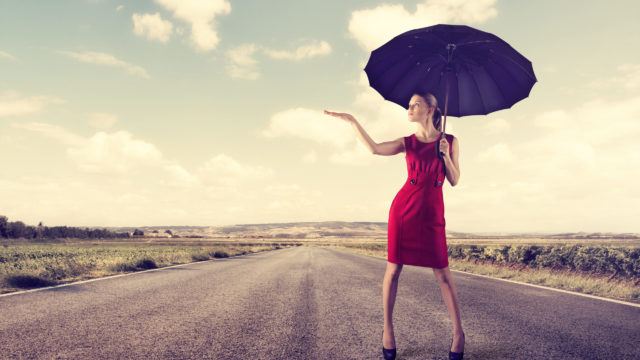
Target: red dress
(416,228)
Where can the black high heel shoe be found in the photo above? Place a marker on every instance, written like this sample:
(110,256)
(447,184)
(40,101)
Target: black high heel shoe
(388,354)
(455,355)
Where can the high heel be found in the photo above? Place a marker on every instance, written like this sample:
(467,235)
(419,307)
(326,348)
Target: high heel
(455,355)
(388,354)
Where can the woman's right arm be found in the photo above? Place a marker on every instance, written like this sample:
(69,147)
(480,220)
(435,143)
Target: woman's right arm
(385,148)
(390,147)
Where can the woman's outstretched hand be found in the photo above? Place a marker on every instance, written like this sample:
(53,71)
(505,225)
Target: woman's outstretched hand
(344,116)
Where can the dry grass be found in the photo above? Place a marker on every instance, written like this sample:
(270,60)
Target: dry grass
(32,266)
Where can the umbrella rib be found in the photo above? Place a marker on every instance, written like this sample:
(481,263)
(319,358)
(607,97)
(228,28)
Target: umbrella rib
(499,89)
(484,106)
(475,42)
(399,82)
(458,91)
(388,68)
(515,62)
(496,83)
(414,36)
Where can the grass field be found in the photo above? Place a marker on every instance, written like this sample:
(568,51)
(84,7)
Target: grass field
(26,266)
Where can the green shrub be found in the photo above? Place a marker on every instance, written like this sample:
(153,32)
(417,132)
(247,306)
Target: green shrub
(605,260)
(146,263)
(25,281)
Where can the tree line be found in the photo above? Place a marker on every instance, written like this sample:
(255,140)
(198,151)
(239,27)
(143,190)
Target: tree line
(18,229)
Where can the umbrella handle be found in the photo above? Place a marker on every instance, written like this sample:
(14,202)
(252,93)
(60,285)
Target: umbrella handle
(440,153)
(444,125)
(441,176)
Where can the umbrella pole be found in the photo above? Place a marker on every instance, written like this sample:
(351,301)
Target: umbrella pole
(444,124)
(450,49)
(446,108)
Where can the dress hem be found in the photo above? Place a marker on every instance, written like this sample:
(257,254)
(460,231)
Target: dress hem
(417,264)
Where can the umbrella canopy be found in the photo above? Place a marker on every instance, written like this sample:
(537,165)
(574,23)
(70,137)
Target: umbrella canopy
(473,72)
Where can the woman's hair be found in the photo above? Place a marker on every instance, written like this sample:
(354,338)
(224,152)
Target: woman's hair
(433,102)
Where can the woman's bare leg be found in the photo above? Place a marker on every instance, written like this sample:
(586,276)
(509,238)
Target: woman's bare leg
(450,297)
(389,291)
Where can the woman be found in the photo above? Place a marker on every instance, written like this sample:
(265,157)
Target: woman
(416,229)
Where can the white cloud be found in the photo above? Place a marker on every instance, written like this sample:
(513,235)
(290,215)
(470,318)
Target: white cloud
(373,27)
(119,7)
(79,200)
(591,142)
(6,56)
(225,170)
(125,180)
(311,50)
(178,175)
(104,59)
(14,142)
(115,152)
(55,132)
(552,119)
(12,103)
(500,153)
(631,75)
(309,125)
(310,157)
(241,63)
(627,77)
(152,27)
(290,198)
(102,120)
(496,126)
(599,121)
(321,129)
(357,155)
(571,173)
(201,15)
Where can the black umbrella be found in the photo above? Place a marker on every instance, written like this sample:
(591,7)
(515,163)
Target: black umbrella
(475,72)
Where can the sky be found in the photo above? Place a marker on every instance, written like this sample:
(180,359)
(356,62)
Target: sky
(196,112)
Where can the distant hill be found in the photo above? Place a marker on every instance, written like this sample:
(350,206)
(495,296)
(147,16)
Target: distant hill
(345,229)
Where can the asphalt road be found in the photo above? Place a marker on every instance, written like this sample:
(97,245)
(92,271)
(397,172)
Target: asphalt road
(306,303)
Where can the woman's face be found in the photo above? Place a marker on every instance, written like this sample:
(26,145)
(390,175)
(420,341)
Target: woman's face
(418,109)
